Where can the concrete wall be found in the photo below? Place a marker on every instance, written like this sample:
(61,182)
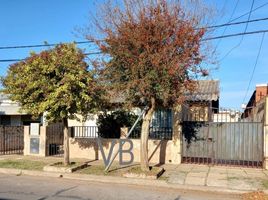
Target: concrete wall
(160,151)
(42,141)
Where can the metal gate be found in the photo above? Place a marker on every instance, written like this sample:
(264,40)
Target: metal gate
(224,139)
(54,135)
(11,140)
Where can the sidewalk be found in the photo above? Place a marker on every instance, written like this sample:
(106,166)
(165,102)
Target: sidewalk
(233,178)
(184,177)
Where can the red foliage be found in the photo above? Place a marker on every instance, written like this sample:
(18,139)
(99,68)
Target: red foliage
(154,49)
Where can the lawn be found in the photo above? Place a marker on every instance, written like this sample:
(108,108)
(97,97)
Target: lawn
(22,164)
(116,170)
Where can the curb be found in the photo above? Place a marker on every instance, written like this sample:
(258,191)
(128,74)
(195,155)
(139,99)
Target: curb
(122,180)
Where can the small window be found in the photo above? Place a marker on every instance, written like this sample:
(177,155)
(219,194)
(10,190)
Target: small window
(5,120)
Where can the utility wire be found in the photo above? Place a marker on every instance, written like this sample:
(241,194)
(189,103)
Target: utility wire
(254,68)
(205,39)
(17,60)
(41,45)
(84,42)
(249,12)
(245,30)
(219,41)
(235,34)
(237,23)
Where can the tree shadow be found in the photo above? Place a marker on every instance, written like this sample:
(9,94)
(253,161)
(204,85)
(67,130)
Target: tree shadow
(191,131)
(87,143)
(162,146)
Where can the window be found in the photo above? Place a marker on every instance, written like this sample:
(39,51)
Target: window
(5,120)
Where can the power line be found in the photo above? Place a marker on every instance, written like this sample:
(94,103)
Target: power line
(254,68)
(249,12)
(235,34)
(205,39)
(41,45)
(17,60)
(245,30)
(219,41)
(84,42)
(232,20)
(237,23)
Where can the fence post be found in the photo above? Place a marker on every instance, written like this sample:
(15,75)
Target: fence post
(26,150)
(176,135)
(265,135)
(43,143)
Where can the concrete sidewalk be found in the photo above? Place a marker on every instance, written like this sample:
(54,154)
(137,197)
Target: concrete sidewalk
(234,178)
(184,176)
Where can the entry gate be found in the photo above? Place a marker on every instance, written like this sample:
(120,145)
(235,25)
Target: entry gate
(11,140)
(232,141)
(54,134)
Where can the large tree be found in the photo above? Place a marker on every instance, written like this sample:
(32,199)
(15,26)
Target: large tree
(55,82)
(154,54)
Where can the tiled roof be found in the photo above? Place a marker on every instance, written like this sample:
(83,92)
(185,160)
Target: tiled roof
(207,90)
(11,110)
(4,97)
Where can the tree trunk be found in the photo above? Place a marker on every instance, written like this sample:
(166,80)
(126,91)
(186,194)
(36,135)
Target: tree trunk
(66,142)
(145,135)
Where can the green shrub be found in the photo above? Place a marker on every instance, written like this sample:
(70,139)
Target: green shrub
(109,124)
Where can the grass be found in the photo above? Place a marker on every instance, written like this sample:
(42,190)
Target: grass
(137,170)
(99,170)
(23,164)
(61,164)
(265,184)
(116,170)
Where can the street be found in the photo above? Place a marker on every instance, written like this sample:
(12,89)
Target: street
(29,187)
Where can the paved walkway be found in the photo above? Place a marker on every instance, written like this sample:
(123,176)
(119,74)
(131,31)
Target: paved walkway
(186,176)
(225,177)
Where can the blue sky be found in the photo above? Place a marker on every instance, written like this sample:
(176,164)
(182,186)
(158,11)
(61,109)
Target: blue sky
(35,21)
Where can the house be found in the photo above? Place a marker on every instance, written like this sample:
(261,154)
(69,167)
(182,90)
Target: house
(199,106)
(10,113)
(255,106)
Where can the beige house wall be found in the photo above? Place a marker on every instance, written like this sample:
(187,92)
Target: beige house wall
(42,142)
(160,151)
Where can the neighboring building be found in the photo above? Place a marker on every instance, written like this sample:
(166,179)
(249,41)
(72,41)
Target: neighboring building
(203,102)
(227,116)
(10,113)
(254,107)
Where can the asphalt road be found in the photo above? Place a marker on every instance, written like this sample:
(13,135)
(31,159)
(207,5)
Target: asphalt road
(41,188)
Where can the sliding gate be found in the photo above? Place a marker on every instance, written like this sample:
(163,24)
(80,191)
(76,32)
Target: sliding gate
(234,142)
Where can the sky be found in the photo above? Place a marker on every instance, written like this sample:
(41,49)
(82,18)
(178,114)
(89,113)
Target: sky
(30,22)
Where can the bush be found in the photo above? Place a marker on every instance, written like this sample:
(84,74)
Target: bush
(109,124)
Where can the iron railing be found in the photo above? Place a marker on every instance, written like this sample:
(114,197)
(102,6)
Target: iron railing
(85,131)
(158,133)
(11,140)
